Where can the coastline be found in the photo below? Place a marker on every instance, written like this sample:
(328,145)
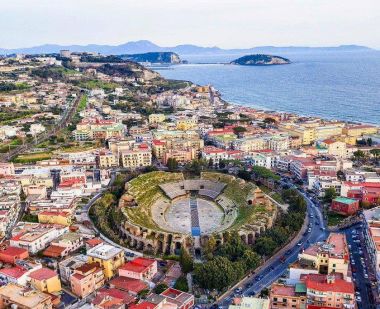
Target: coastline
(258,106)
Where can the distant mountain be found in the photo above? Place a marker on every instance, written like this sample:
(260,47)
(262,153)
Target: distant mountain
(154,57)
(145,46)
(260,59)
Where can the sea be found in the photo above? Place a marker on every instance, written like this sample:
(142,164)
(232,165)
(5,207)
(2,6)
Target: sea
(331,85)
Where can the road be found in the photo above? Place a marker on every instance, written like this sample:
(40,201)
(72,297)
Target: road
(85,213)
(273,268)
(359,264)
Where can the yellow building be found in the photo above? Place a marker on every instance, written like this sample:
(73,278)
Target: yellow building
(108,160)
(55,217)
(45,280)
(329,257)
(156,118)
(186,123)
(360,130)
(306,134)
(349,140)
(110,258)
(327,131)
(22,297)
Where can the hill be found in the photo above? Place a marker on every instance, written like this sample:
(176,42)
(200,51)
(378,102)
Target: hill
(144,46)
(154,57)
(260,59)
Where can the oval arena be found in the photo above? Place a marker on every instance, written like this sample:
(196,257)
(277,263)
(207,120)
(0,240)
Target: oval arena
(164,212)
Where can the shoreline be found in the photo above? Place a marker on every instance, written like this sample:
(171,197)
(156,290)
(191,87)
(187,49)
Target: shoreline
(258,107)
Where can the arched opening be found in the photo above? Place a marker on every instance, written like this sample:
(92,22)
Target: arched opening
(251,239)
(243,238)
(178,247)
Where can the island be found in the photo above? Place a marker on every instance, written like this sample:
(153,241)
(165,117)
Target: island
(260,59)
(155,57)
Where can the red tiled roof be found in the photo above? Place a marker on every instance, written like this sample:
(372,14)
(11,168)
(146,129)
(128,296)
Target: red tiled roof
(319,283)
(14,272)
(13,251)
(42,274)
(53,251)
(94,242)
(128,284)
(158,142)
(138,265)
(116,293)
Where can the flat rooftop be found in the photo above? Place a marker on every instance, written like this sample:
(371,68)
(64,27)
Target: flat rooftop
(104,251)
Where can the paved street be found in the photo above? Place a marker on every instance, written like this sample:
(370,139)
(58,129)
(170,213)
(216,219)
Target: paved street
(273,269)
(359,264)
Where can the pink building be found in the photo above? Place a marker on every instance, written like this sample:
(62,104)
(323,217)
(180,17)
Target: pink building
(140,268)
(86,279)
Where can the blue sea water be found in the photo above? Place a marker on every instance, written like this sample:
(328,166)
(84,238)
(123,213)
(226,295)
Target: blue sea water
(335,85)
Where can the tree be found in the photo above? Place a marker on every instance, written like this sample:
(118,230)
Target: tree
(263,172)
(251,259)
(238,130)
(172,164)
(160,288)
(243,174)
(330,194)
(265,246)
(222,164)
(210,248)
(211,163)
(359,155)
(186,261)
(369,142)
(218,273)
(181,284)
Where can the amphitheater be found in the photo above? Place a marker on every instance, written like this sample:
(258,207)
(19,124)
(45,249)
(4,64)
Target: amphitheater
(164,212)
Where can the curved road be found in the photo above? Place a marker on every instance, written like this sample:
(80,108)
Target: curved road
(274,268)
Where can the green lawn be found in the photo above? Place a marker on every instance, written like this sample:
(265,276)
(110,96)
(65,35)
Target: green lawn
(32,157)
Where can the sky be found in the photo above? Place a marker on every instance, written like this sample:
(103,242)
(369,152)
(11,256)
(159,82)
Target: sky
(223,23)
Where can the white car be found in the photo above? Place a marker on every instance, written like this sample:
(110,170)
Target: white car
(366,276)
(358,298)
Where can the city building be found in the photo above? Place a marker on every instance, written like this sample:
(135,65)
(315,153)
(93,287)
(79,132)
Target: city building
(16,296)
(110,258)
(55,217)
(372,238)
(139,268)
(136,158)
(329,291)
(86,279)
(287,296)
(345,206)
(327,257)
(250,303)
(45,280)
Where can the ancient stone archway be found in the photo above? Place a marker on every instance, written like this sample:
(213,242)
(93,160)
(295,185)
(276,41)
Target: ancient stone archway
(251,238)
(243,238)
